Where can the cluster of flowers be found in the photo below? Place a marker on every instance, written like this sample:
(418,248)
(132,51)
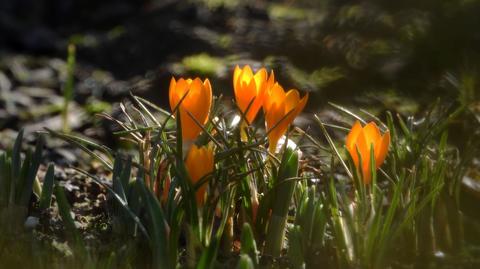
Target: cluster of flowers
(191,100)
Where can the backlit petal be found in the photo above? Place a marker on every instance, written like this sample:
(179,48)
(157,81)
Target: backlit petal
(276,94)
(372,133)
(247,74)
(236,74)
(260,78)
(351,141)
(364,150)
(199,163)
(274,128)
(301,105)
(382,151)
(292,97)
(172,96)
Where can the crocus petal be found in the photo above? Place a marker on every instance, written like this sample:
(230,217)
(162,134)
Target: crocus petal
(270,81)
(172,94)
(292,97)
(236,74)
(364,151)
(367,174)
(359,143)
(208,98)
(300,106)
(247,74)
(275,131)
(382,149)
(352,140)
(249,90)
(260,78)
(196,96)
(181,88)
(281,109)
(372,133)
(199,163)
(276,94)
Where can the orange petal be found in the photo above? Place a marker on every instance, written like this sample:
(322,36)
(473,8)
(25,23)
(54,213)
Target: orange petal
(201,109)
(364,150)
(190,161)
(247,74)
(274,128)
(196,156)
(301,105)
(351,141)
(260,79)
(236,73)
(237,81)
(372,133)
(292,97)
(250,97)
(367,175)
(172,95)
(294,105)
(382,149)
(243,94)
(271,80)
(257,104)
(197,103)
(276,94)
(208,98)
(181,88)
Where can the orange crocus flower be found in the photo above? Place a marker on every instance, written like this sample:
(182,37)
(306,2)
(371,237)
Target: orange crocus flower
(281,108)
(250,88)
(362,139)
(199,163)
(197,101)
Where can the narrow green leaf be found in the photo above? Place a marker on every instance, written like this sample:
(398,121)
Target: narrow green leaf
(295,248)
(283,197)
(47,189)
(249,246)
(16,162)
(32,171)
(245,262)
(65,213)
(209,255)
(158,227)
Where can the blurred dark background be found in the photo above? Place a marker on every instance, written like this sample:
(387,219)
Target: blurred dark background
(397,55)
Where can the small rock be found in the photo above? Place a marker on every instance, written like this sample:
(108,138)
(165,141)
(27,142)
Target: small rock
(31,223)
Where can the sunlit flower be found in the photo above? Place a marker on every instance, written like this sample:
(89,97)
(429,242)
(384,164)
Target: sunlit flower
(199,163)
(197,101)
(281,108)
(362,139)
(250,88)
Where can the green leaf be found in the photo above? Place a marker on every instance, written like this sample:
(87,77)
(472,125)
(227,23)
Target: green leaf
(47,189)
(295,247)
(158,228)
(32,171)
(65,213)
(249,246)
(16,162)
(209,255)
(117,184)
(245,262)
(283,191)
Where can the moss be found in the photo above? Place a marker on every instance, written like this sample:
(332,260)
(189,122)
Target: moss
(203,64)
(287,12)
